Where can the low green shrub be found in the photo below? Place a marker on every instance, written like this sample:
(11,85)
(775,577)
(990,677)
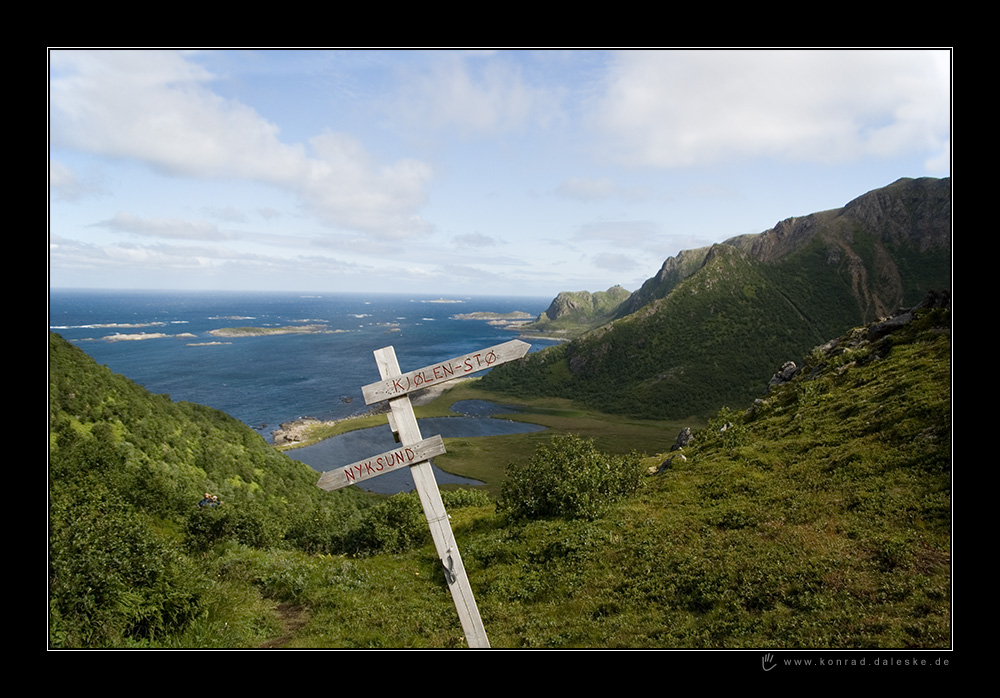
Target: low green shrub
(568,477)
(394,525)
(245,522)
(112,580)
(458,499)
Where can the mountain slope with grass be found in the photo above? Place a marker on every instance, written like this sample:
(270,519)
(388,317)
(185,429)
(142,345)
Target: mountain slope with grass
(817,516)
(134,560)
(127,470)
(701,333)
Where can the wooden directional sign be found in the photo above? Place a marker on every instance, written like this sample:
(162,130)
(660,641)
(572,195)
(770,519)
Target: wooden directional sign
(416,452)
(444,371)
(383,463)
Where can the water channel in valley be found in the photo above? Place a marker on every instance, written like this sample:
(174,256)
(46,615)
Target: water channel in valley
(473,420)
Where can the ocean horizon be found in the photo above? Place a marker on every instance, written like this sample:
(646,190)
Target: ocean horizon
(164,341)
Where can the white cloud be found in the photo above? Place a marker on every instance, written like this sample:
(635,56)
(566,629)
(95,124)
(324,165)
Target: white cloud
(109,260)
(621,233)
(67,185)
(159,263)
(158,107)
(475,240)
(587,189)
(226,213)
(615,262)
(681,108)
(476,94)
(346,187)
(590,189)
(174,228)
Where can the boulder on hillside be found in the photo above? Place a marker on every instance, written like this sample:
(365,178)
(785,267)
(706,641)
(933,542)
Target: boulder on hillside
(683,439)
(785,374)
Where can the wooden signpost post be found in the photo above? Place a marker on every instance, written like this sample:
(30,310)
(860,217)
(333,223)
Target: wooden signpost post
(415,452)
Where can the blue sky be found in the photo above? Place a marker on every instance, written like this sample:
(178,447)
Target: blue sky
(447,172)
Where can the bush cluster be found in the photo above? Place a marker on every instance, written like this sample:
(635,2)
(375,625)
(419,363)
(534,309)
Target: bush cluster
(568,477)
(393,525)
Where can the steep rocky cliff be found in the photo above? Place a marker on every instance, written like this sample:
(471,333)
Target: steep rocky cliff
(709,327)
(880,241)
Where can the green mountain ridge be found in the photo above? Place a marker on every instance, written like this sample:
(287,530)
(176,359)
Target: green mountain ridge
(574,312)
(700,333)
(910,215)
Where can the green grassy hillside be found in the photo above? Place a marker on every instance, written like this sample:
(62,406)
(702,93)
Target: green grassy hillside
(713,341)
(133,559)
(816,517)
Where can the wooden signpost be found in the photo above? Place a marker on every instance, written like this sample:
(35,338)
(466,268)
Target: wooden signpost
(415,452)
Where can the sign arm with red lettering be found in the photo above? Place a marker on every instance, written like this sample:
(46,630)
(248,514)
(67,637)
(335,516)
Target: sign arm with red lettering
(382,463)
(403,384)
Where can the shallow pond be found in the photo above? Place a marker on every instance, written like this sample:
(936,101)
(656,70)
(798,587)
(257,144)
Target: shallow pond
(353,446)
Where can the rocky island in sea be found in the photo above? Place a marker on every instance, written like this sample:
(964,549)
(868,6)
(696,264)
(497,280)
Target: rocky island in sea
(264,331)
(512,320)
(118,337)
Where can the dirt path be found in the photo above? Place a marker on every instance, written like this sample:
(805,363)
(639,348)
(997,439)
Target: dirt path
(292,619)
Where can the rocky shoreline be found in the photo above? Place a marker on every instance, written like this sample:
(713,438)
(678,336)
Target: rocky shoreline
(300,430)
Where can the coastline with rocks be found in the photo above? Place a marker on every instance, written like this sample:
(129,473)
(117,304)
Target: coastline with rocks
(300,431)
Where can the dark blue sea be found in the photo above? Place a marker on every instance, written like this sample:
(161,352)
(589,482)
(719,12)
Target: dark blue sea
(162,341)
